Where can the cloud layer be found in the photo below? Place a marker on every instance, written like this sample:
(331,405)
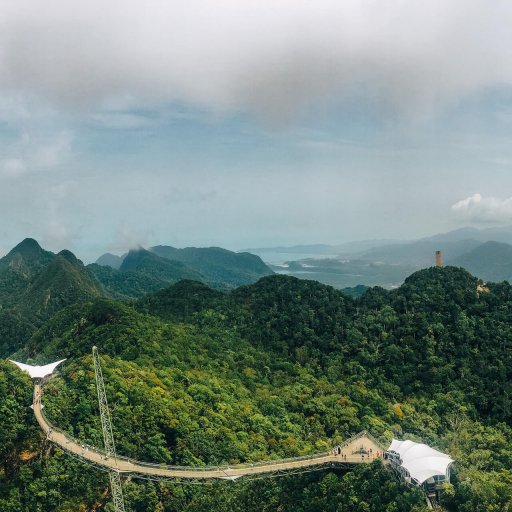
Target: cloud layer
(477,208)
(29,155)
(120,121)
(271,57)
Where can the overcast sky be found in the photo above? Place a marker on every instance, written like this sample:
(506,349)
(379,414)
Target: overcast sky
(251,123)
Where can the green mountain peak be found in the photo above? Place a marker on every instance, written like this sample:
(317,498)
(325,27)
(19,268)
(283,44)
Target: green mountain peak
(27,256)
(62,282)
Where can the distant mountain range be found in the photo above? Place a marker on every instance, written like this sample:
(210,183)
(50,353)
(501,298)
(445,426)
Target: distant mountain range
(110,260)
(491,261)
(35,283)
(220,266)
(355,247)
(498,234)
(163,265)
(419,254)
(484,252)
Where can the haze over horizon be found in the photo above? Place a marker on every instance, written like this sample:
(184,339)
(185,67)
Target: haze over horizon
(183,125)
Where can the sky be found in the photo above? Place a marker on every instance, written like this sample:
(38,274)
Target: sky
(241,124)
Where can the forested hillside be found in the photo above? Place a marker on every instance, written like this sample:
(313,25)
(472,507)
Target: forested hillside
(35,283)
(283,367)
(220,266)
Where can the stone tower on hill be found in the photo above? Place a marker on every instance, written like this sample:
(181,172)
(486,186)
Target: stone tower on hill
(439,259)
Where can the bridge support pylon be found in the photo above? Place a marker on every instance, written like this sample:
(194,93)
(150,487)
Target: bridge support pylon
(108,437)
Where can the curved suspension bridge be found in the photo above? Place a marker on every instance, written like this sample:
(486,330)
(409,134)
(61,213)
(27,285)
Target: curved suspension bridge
(360,449)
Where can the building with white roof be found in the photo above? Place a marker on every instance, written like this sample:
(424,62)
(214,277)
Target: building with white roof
(418,463)
(38,372)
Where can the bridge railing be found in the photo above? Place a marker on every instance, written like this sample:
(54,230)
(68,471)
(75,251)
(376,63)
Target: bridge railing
(70,439)
(224,467)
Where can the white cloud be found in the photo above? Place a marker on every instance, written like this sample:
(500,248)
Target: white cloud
(271,57)
(176,194)
(56,234)
(121,120)
(129,236)
(499,161)
(53,152)
(31,154)
(13,167)
(477,208)
(58,229)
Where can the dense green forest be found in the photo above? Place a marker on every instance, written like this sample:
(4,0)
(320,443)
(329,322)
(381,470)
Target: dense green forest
(35,283)
(282,367)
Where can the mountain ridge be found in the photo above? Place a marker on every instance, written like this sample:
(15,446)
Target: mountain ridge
(491,261)
(216,266)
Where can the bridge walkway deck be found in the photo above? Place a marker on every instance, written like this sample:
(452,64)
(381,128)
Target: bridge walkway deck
(360,449)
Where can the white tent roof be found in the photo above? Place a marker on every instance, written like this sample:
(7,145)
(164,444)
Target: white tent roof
(38,371)
(421,461)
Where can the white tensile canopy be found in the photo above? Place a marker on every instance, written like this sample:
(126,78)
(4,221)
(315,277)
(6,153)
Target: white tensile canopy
(421,461)
(38,371)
